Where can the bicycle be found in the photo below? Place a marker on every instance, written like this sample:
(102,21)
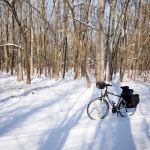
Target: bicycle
(99,107)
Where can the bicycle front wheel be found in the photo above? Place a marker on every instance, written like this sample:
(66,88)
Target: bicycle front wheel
(125,111)
(97,108)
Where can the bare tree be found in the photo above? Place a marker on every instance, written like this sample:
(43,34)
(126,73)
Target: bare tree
(139,37)
(12,9)
(71,34)
(19,14)
(56,43)
(110,39)
(32,40)
(99,41)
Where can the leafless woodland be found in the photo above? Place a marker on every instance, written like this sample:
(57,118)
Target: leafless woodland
(100,37)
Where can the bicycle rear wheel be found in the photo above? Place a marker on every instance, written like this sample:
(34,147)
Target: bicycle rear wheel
(124,111)
(97,108)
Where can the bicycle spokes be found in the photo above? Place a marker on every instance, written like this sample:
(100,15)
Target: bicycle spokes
(124,110)
(97,109)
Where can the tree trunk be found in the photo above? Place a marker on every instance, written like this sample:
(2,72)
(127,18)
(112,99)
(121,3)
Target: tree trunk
(56,43)
(110,40)
(26,60)
(99,41)
(6,38)
(63,38)
(1,48)
(125,45)
(0,42)
(85,45)
(139,39)
(32,40)
(19,14)
(38,39)
(65,55)
(11,52)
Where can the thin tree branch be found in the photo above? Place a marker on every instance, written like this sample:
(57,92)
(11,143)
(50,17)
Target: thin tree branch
(49,25)
(127,48)
(12,9)
(79,4)
(131,45)
(121,48)
(9,44)
(84,23)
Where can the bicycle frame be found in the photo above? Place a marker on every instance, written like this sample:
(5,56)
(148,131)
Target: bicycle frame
(106,95)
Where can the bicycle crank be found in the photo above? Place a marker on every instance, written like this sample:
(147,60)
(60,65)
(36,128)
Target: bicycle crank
(114,109)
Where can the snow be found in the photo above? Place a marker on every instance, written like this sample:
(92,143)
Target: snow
(49,115)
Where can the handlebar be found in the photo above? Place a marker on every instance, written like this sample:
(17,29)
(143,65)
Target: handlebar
(108,85)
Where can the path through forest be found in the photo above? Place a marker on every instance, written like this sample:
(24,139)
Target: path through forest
(49,115)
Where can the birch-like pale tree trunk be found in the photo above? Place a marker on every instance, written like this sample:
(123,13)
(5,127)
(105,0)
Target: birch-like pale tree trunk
(56,43)
(6,37)
(38,39)
(32,40)
(11,52)
(99,41)
(45,37)
(1,48)
(19,14)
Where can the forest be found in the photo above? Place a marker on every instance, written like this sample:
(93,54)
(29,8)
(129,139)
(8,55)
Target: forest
(52,52)
(100,37)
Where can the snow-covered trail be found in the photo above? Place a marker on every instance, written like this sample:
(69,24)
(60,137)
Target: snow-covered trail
(49,115)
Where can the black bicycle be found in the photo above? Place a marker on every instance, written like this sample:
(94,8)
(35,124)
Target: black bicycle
(99,107)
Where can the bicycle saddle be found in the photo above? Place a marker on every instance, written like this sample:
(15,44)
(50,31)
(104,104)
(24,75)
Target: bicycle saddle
(124,87)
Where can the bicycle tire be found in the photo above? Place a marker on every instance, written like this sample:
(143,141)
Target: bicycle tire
(125,112)
(97,108)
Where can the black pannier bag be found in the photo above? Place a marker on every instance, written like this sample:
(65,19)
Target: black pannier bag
(127,92)
(100,85)
(132,101)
